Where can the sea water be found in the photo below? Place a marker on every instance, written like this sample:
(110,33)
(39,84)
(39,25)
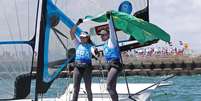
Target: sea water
(182,88)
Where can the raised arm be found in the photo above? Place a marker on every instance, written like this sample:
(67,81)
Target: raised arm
(73,29)
(112,41)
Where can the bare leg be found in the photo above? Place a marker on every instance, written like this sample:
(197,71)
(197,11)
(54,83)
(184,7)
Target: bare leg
(111,83)
(77,76)
(87,81)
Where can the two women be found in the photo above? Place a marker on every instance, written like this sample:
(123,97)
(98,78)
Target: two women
(84,53)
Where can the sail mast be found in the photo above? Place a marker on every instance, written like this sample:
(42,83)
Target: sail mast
(148,10)
(40,60)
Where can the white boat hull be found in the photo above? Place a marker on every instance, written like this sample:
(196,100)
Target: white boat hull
(101,94)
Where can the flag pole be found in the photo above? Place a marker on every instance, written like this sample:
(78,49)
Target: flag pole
(121,59)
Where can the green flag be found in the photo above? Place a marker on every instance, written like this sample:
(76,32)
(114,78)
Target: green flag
(141,30)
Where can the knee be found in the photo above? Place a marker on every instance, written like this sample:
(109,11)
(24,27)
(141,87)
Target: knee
(109,88)
(89,91)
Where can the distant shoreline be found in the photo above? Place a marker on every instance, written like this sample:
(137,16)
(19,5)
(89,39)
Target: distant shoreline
(150,66)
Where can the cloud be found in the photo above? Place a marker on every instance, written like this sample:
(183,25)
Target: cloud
(180,18)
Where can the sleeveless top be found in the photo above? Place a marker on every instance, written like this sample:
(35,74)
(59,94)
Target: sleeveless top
(110,53)
(83,53)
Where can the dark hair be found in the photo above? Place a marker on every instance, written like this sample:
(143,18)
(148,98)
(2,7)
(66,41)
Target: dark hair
(85,32)
(90,41)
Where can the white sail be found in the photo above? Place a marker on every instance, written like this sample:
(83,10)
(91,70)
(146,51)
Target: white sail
(17,25)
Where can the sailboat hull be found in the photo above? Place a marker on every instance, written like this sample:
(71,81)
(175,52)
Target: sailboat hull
(101,94)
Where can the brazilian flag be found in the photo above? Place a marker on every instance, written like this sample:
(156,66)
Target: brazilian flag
(141,30)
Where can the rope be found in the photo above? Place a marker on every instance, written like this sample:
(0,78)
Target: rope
(66,49)
(59,32)
(36,25)
(102,75)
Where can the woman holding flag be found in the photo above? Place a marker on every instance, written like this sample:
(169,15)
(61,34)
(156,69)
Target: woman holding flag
(112,57)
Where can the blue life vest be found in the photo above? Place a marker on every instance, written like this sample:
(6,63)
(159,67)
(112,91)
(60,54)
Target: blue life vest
(110,53)
(83,53)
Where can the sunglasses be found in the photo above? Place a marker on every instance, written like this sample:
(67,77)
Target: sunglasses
(104,35)
(84,37)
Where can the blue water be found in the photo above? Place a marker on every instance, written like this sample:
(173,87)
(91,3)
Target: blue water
(183,88)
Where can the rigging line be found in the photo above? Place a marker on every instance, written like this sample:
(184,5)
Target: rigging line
(41,7)
(66,49)
(20,32)
(61,41)
(101,76)
(59,32)
(69,79)
(36,23)
(69,76)
(42,97)
(157,83)
(101,69)
(35,32)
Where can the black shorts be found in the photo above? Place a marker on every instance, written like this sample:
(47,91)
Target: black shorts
(114,64)
(80,66)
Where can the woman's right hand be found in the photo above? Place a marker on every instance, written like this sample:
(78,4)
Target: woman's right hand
(73,29)
(80,20)
(97,53)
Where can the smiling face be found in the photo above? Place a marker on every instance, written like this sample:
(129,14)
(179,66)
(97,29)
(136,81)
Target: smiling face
(84,39)
(105,37)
